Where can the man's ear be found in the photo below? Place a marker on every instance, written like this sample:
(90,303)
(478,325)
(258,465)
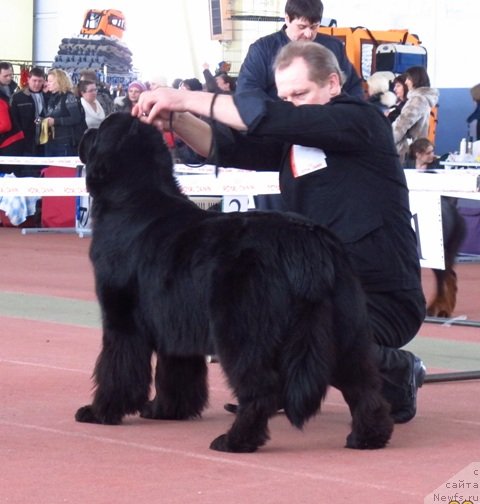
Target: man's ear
(335,84)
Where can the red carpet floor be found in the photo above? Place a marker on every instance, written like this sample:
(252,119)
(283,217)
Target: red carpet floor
(49,340)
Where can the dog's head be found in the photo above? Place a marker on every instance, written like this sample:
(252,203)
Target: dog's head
(123,152)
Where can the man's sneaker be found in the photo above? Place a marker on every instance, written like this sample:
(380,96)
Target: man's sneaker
(408,410)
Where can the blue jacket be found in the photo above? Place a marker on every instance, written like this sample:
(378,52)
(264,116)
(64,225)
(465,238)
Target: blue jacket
(257,72)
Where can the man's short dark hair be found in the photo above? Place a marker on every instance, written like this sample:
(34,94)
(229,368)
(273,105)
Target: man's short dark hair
(312,10)
(4,65)
(37,72)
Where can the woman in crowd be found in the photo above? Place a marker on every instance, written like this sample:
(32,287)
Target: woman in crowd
(221,82)
(401,90)
(126,103)
(414,119)
(94,113)
(473,120)
(64,117)
(192,84)
(421,155)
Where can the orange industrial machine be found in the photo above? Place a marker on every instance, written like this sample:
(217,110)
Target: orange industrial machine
(99,47)
(108,22)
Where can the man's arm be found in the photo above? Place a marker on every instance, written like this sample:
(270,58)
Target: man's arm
(195,132)
(232,147)
(210,82)
(353,83)
(14,111)
(156,105)
(256,72)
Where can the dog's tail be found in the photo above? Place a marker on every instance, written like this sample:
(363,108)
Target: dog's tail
(307,357)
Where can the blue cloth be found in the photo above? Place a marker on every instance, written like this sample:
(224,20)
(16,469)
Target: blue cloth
(18,208)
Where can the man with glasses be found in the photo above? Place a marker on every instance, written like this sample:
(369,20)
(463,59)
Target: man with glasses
(302,19)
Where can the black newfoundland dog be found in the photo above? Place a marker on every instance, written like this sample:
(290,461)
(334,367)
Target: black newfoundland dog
(272,295)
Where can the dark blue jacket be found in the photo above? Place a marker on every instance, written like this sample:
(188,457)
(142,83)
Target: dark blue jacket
(257,72)
(24,116)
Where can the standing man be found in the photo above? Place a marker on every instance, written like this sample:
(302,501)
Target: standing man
(7,85)
(339,167)
(302,20)
(28,107)
(11,136)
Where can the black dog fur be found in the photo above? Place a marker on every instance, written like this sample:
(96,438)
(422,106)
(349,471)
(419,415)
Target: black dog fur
(272,295)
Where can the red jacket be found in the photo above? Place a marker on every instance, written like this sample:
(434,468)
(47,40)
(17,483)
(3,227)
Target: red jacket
(9,134)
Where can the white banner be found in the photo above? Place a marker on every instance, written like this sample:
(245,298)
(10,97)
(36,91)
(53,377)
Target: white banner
(427,223)
(238,185)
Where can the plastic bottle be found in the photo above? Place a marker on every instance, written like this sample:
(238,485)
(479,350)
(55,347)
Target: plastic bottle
(470,145)
(463,147)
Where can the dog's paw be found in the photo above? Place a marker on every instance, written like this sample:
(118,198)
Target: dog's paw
(147,410)
(86,414)
(153,411)
(372,442)
(222,444)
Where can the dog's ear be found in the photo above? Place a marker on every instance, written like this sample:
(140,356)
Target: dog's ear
(86,144)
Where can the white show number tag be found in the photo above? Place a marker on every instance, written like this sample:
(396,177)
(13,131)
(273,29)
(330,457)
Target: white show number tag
(305,160)
(234,204)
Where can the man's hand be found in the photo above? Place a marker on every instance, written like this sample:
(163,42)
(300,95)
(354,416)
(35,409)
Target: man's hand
(154,105)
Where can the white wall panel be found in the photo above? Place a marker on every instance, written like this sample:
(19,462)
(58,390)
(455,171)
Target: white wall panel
(173,38)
